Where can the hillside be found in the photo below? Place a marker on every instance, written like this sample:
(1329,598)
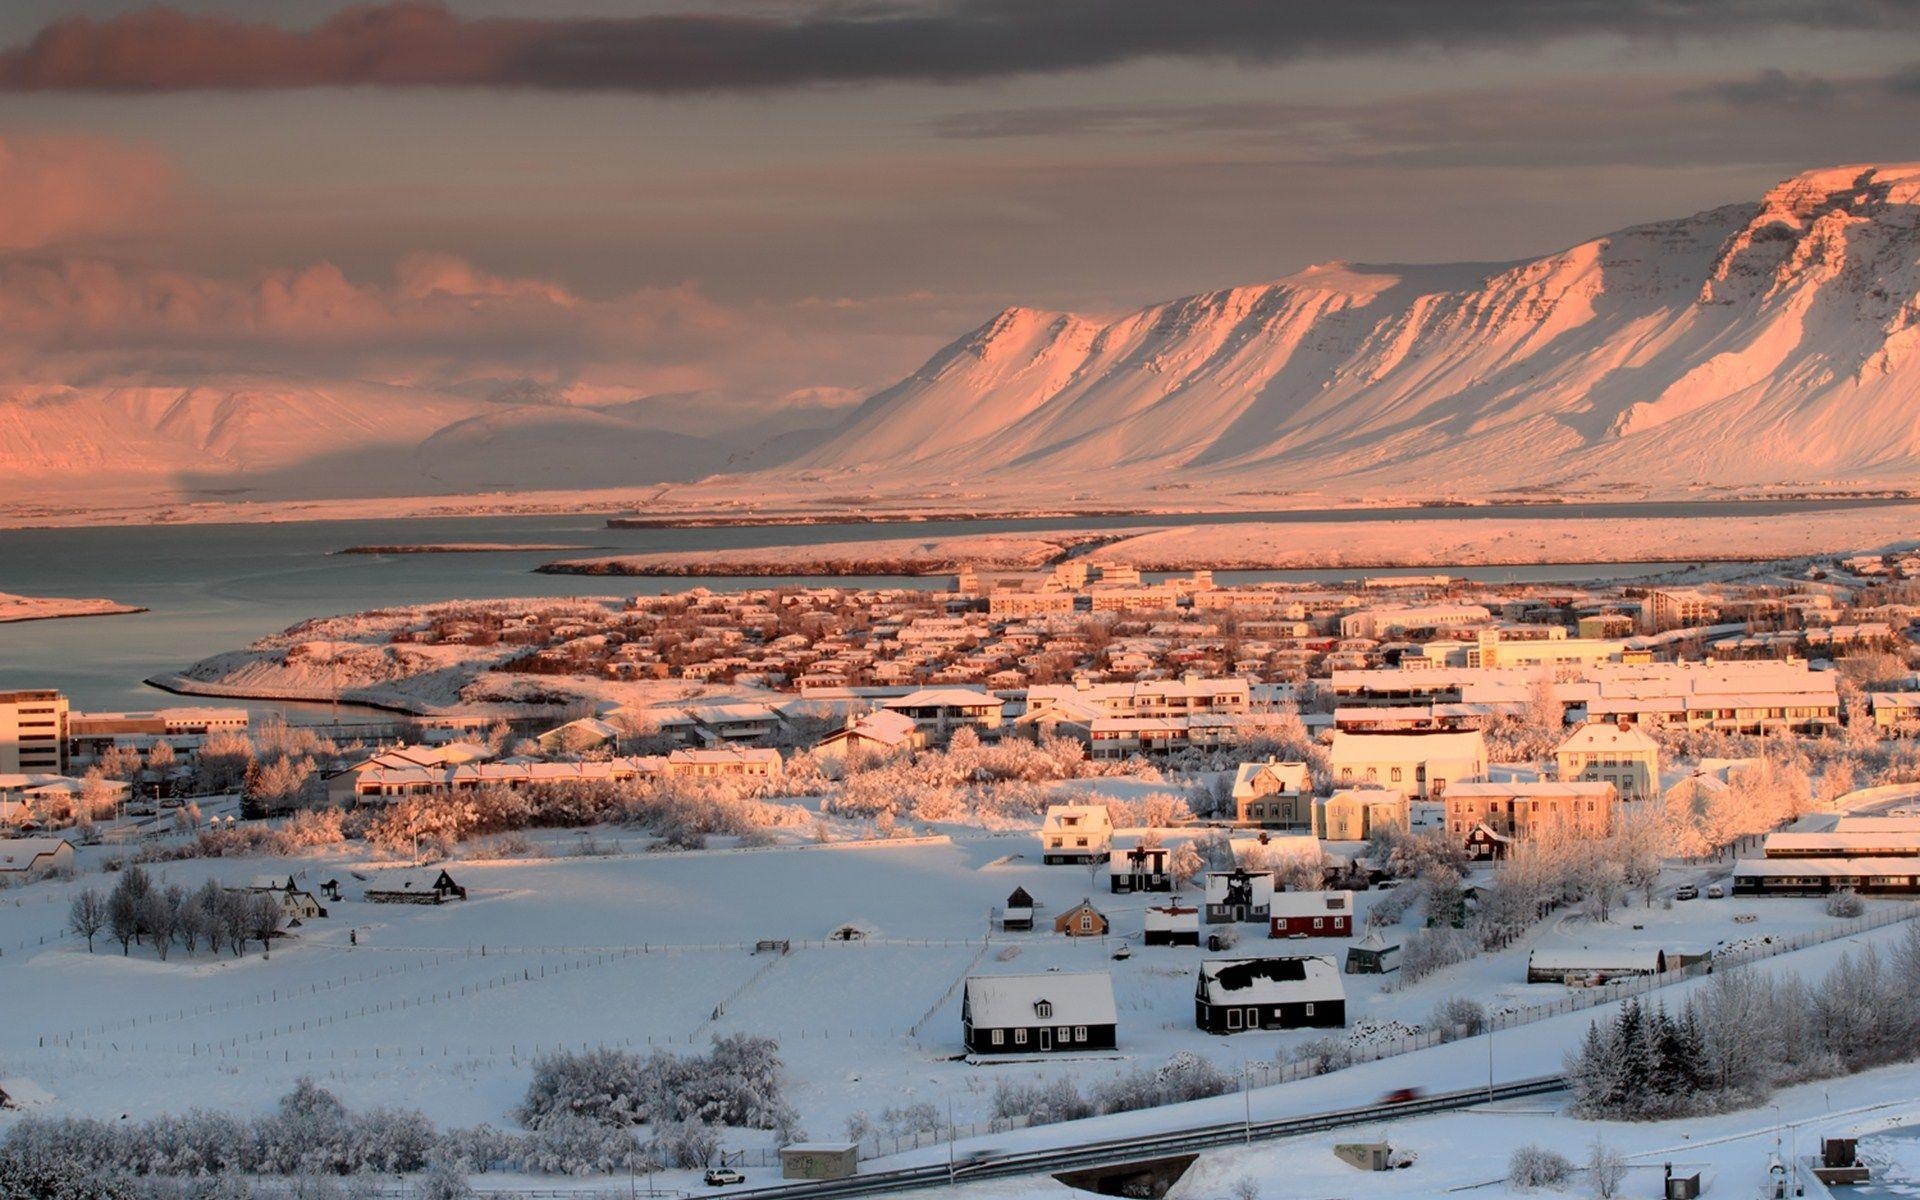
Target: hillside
(1764,343)
(276,438)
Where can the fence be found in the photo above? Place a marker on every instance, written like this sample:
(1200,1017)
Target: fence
(1764,947)
(878,1145)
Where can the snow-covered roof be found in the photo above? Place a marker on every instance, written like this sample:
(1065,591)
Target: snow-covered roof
(21,854)
(1009,1001)
(1604,738)
(1077,816)
(1532,789)
(1903,867)
(1290,980)
(1312,904)
(1898,839)
(1284,776)
(946,697)
(1405,747)
(1261,886)
(1612,958)
(1172,916)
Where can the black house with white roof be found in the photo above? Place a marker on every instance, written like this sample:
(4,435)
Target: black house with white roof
(1235,994)
(1039,1014)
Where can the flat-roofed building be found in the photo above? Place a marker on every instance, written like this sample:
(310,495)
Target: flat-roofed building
(33,732)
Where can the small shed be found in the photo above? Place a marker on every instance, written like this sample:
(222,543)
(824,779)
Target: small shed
(1373,955)
(1367,1156)
(1172,924)
(414,887)
(1082,920)
(819,1160)
(1018,914)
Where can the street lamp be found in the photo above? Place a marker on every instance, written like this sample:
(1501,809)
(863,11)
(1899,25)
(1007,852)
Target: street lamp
(1246,1096)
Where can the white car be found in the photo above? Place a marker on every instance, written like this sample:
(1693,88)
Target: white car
(724,1177)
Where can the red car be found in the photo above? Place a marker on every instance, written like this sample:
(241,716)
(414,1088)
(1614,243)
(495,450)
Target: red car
(1401,1096)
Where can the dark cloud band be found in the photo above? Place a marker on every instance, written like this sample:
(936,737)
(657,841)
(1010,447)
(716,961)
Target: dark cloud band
(419,43)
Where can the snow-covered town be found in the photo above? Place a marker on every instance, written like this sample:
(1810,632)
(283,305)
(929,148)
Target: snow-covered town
(1013,599)
(829,883)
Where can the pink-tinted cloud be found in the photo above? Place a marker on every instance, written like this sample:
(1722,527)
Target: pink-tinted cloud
(58,188)
(418,43)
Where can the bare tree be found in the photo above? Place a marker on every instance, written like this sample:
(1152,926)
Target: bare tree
(87,915)
(264,916)
(1606,1169)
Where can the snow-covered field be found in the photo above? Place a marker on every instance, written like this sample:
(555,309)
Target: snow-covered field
(443,1007)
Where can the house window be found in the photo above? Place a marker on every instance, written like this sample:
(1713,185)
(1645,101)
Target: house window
(1318,922)
(1065,1033)
(1396,775)
(1079,1033)
(999,1036)
(1019,1037)
(1086,924)
(1309,1009)
(1043,1009)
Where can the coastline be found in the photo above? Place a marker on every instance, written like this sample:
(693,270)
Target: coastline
(101,608)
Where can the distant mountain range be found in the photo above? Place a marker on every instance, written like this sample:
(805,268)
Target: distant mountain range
(1758,343)
(1764,344)
(274,438)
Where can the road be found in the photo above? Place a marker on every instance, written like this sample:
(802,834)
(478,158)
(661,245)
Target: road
(1120,1151)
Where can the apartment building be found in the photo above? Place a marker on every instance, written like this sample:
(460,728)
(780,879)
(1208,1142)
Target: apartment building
(1625,757)
(1521,809)
(33,732)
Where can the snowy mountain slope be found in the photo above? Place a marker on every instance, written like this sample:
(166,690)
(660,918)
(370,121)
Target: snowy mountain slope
(1755,343)
(274,437)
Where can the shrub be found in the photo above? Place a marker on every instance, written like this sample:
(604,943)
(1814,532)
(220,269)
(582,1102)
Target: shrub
(1845,904)
(1458,1017)
(1537,1166)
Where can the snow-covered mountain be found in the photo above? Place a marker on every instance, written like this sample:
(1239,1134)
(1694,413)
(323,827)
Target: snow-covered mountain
(1758,343)
(276,438)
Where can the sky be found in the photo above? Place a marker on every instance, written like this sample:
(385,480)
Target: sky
(736,206)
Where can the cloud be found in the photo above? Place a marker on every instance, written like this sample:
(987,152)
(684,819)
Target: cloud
(1767,88)
(61,188)
(419,43)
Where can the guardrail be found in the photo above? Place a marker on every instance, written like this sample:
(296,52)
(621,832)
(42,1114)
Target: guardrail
(1119,1151)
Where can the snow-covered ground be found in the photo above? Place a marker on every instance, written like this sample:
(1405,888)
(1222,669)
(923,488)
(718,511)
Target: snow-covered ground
(1468,1152)
(443,1007)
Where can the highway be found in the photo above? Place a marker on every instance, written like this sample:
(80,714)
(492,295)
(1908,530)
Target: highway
(1119,1151)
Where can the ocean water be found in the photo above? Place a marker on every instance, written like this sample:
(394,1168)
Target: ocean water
(218,587)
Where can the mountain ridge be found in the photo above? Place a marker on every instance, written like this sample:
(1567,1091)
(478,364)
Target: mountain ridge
(1737,346)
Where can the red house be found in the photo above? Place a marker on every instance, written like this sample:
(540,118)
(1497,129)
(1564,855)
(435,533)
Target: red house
(1311,915)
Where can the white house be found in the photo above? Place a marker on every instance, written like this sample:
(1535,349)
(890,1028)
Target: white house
(876,733)
(1421,764)
(1076,833)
